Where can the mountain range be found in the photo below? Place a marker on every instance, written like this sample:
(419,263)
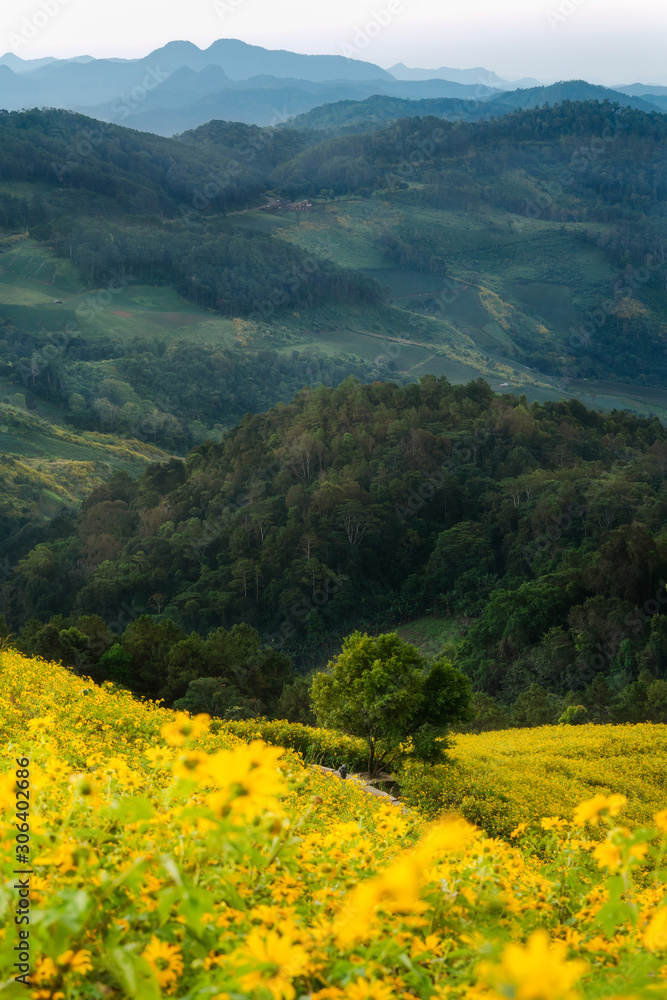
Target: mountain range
(179,86)
(377,111)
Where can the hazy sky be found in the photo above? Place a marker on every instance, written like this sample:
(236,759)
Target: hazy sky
(605,41)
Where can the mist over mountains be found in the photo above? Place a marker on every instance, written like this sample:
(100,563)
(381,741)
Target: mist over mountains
(180,86)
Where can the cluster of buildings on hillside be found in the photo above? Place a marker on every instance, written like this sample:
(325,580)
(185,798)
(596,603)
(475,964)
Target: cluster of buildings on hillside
(289,206)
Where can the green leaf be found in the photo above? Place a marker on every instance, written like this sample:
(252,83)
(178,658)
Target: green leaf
(614,916)
(130,810)
(134,974)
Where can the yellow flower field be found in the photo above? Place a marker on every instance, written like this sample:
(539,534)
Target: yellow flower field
(500,779)
(168,859)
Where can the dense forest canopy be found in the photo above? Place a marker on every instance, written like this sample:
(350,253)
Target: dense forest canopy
(364,504)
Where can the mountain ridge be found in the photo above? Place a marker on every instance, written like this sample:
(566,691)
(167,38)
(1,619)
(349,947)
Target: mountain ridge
(474,75)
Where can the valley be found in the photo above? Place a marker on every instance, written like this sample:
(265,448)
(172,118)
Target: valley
(333,503)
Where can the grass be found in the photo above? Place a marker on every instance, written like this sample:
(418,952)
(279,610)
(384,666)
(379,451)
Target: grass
(430,633)
(58,464)
(507,275)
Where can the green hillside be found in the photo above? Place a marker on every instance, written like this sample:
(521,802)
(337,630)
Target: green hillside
(376,111)
(526,250)
(540,529)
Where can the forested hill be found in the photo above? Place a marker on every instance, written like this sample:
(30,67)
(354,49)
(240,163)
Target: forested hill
(365,504)
(117,171)
(381,108)
(593,175)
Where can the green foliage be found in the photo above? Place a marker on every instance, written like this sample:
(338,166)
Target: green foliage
(487,714)
(289,525)
(217,698)
(374,691)
(536,707)
(446,695)
(379,689)
(294,704)
(429,743)
(574,715)
(115,665)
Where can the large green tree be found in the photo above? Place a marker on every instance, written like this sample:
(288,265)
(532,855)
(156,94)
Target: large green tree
(384,691)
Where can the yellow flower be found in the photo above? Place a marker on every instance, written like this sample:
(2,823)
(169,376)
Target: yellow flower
(518,830)
(165,961)
(78,961)
(191,765)
(56,769)
(249,779)
(399,887)
(552,823)
(655,935)
(607,855)
(7,792)
(535,971)
(364,989)
(41,725)
(431,945)
(88,787)
(660,820)
(280,958)
(589,811)
(184,728)
(46,970)
(159,756)
(452,835)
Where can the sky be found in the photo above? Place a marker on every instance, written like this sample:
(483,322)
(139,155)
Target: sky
(603,41)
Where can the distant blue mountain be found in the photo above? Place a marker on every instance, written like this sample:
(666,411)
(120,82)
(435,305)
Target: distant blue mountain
(180,86)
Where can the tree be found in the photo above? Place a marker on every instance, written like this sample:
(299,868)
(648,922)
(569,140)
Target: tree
(574,715)
(446,696)
(382,690)
(294,703)
(536,707)
(215,697)
(149,643)
(115,665)
(487,714)
(598,697)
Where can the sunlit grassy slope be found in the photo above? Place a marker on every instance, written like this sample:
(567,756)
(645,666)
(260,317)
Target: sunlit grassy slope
(167,857)
(45,468)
